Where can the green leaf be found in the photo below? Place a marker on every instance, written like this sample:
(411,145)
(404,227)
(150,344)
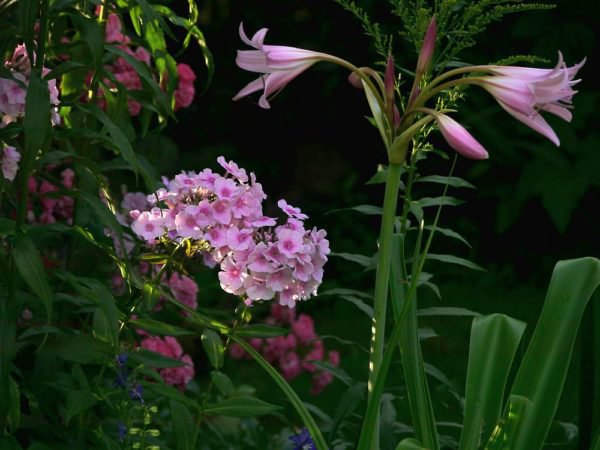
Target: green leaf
(145,74)
(510,431)
(28,14)
(378,114)
(542,373)
(81,348)
(78,402)
(213,346)
(9,443)
(36,124)
(363,209)
(450,233)
(120,140)
(439,201)
(91,35)
(29,263)
(161,390)
(260,331)
(153,359)
(362,260)
(222,382)
(296,402)
(160,328)
(446,311)
(451,259)
(410,444)
(450,181)
(14,406)
(183,425)
(367,309)
(494,342)
(344,291)
(337,372)
(241,407)
(348,403)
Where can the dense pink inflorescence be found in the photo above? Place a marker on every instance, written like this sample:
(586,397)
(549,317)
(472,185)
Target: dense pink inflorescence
(45,206)
(258,259)
(294,353)
(170,347)
(13,94)
(126,74)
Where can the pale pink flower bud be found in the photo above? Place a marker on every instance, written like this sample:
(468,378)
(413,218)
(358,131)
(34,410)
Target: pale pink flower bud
(428,47)
(459,138)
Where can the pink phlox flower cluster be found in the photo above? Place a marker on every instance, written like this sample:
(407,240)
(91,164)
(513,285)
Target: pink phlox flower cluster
(12,95)
(184,289)
(125,74)
(170,347)
(184,94)
(294,354)
(52,209)
(10,158)
(258,260)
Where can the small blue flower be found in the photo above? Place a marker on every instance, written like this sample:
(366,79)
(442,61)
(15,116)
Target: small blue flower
(121,380)
(137,392)
(303,441)
(122,360)
(122,431)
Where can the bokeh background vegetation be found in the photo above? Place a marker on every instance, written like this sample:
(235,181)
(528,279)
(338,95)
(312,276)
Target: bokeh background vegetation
(534,205)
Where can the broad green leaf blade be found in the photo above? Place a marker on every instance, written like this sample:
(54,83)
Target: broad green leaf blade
(241,407)
(439,201)
(494,343)
(80,348)
(183,425)
(410,444)
(449,233)
(378,114)
(213,346)
(512,425)
(371,210)
(542,373)
(29,263)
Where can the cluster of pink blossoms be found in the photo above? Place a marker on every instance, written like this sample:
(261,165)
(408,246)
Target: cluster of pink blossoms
(293,353)
(10,158)
(170,347)
(12,95)
(51,208)
(125,74)
(258,260)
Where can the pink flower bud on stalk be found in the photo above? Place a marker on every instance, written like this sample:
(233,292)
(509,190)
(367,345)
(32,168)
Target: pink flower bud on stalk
(427,49)
(391,111)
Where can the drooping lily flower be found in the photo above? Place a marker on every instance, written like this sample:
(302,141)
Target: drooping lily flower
(527,92)
(459,138)
(278,64)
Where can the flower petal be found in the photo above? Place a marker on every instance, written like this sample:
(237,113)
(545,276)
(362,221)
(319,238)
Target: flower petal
(252,61)
(253,86)
(535,121)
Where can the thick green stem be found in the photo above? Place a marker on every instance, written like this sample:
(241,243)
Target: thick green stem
(382,279)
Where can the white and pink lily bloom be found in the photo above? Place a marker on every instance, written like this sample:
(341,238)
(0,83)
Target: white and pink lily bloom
(278,64)
(459,138)
(526,92)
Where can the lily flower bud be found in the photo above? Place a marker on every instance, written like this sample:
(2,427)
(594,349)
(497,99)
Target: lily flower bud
(428,48)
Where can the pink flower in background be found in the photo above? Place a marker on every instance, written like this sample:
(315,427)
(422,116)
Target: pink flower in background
(184,94)
(527,92)
(294,354)
(278,64)
(10,162)
(184,289)
(170,347)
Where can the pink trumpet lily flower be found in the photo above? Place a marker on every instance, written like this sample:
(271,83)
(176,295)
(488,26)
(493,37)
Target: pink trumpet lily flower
(459,138)
(526,92)
(278,64)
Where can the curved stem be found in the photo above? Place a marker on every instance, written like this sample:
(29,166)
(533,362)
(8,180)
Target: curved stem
(296,402)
